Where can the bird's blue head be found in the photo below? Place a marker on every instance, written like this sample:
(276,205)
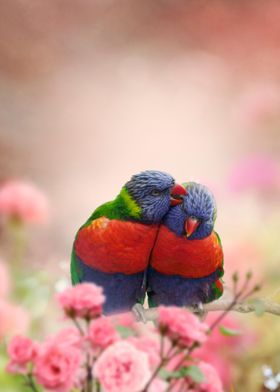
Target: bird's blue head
(154,192)
(195,217)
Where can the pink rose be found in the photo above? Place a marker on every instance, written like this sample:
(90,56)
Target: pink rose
(150,345)
(56,368)
(123,368)
(69,336)
(84,300)
(23,201)
(21,351)
(181,326)
(102,333)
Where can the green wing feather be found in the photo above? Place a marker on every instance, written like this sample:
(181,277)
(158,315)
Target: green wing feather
(123,208)
(75,276)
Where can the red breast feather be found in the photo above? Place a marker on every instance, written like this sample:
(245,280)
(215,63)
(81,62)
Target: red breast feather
(114,246)
(174,255)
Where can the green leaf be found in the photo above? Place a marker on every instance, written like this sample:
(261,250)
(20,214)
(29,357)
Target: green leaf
(191,371)
(194,373)
(259,306)
(168,375)
(229,331)
(125,332)
(165,374)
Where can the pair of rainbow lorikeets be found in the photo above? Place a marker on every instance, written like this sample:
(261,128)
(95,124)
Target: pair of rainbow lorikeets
(154,238)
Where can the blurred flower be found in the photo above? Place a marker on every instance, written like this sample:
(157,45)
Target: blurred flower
(267,371)
(123,368)
(84,300)
(243,257)
(271,381)
(23,201)
(212,381)
(102,333)
(181,326)
(13,319)
(21,351)
(4,280)
(219,350)
(257,172)
(56,367)
(271,384)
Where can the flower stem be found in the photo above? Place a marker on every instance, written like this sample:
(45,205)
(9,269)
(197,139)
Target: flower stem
(225,312)
(89,383)
(90,380)
(164,361)
(30,382)
(78,326)
(177,367)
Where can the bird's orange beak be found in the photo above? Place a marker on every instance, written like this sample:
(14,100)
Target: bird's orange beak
(176,194)
(191,225)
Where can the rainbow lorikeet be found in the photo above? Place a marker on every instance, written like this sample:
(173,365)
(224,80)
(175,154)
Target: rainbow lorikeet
(112,249)
(187,259)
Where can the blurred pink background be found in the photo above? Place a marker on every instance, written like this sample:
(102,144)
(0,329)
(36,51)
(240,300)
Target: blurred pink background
(94,91)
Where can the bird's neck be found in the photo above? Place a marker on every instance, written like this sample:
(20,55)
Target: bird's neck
(174,220)
(127,206)
(123,207)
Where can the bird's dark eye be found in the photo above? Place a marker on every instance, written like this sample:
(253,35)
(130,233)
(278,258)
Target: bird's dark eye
(155,192)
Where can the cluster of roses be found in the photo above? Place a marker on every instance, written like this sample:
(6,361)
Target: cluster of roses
(115,353)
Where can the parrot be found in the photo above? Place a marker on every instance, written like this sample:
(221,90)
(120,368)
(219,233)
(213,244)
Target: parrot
(187,260)
(112,248)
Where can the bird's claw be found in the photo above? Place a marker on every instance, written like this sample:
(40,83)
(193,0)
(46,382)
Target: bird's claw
(139,313)
(199,310)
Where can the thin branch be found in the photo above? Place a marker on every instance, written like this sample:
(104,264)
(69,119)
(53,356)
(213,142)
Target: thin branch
(268,306)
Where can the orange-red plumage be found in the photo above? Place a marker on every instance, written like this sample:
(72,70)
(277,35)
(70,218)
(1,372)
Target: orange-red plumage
(115,246)
(175,255)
